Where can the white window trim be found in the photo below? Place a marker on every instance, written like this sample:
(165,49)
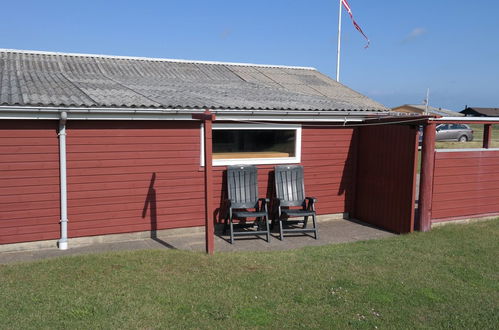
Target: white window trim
(256,161)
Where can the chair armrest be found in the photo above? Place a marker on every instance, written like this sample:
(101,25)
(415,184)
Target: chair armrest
(266,200)
(311,202)
(311,199)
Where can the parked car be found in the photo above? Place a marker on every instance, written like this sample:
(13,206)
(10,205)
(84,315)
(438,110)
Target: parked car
(451,132)
(454,132)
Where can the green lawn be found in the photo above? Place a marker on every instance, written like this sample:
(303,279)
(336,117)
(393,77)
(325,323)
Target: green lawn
(447,278)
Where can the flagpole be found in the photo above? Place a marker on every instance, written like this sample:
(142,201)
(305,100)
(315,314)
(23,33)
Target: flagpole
(339,46)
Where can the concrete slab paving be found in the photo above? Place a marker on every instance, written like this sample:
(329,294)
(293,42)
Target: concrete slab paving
(330,231)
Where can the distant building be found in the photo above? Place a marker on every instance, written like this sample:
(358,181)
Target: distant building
(421,108)
(481,112)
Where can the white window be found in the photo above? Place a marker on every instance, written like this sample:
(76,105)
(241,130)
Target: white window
(255,144)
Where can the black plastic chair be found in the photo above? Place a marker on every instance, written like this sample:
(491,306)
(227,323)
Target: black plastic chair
(242,191)
(290,192)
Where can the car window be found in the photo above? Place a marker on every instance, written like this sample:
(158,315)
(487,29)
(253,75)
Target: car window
(456,126)
(464,127)
(443,127)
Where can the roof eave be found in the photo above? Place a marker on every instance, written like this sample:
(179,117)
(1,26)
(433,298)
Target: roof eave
(80,113)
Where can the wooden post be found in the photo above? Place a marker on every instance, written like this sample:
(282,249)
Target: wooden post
(487,135)
(426,181)
(207,117)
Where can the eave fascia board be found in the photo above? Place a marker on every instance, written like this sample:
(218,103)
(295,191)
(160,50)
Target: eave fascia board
(465,120)
(76,113)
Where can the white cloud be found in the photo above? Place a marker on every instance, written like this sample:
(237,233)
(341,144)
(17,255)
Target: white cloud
(415,33)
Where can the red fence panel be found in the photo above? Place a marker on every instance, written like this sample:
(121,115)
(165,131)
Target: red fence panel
(386,177)
(465,184)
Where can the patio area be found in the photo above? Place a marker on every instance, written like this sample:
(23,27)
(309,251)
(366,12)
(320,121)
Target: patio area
(331,230)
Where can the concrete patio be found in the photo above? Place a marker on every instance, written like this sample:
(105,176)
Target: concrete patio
(331,231)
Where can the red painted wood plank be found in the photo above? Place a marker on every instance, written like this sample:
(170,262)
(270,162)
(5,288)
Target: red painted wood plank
(458,180)
(162,168)
(44,126)
(467,162)
(136,140)
(130,228)
(16,190)
(467,170)
(40,219)
(467,211)
(28,237)
(89,126)
(466,196)
(28,142)
(131,147)
(468,187)
(28,206)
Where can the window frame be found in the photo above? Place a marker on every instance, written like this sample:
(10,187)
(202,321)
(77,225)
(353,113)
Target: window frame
(256,161)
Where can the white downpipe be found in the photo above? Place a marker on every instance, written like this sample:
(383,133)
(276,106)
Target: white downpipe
(63,241)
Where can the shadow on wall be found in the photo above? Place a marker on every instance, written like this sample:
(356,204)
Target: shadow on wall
(349,176)
(151,205)
(221,212)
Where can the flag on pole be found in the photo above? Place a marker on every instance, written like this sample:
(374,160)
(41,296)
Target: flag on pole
(347,7)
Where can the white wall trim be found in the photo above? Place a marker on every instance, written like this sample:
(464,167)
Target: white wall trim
(467,150)
(466,118)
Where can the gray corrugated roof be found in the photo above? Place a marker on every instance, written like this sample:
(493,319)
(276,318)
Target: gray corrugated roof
(29,78)
(436,111)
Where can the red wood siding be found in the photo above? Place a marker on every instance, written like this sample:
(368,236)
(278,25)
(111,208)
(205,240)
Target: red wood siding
(465,184)
(29,181)
(137,176)
(133,176)
(386,177)
(328,157)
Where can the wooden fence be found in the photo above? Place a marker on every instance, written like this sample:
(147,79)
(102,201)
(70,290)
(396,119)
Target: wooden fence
(465,184)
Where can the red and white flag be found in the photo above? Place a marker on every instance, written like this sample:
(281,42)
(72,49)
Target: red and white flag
(347,7)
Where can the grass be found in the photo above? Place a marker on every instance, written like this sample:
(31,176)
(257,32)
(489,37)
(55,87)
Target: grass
(447,278)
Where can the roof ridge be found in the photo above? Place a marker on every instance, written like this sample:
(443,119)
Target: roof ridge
(153,59)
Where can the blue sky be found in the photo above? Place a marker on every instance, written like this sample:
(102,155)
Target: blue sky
(452,47)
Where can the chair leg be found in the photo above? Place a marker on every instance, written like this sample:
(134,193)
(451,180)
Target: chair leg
(281,233)
(316,232)
(231,222)
(305,221)
(226,224)
(268,229)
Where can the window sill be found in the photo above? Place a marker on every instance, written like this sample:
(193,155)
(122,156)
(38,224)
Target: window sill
(256,161)
(250,155)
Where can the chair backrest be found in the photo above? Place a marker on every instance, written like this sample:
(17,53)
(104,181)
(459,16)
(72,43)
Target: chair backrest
(242,186)
(289,186)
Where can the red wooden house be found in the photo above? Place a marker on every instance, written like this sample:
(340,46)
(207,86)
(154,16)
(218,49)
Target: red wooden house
(121,135)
